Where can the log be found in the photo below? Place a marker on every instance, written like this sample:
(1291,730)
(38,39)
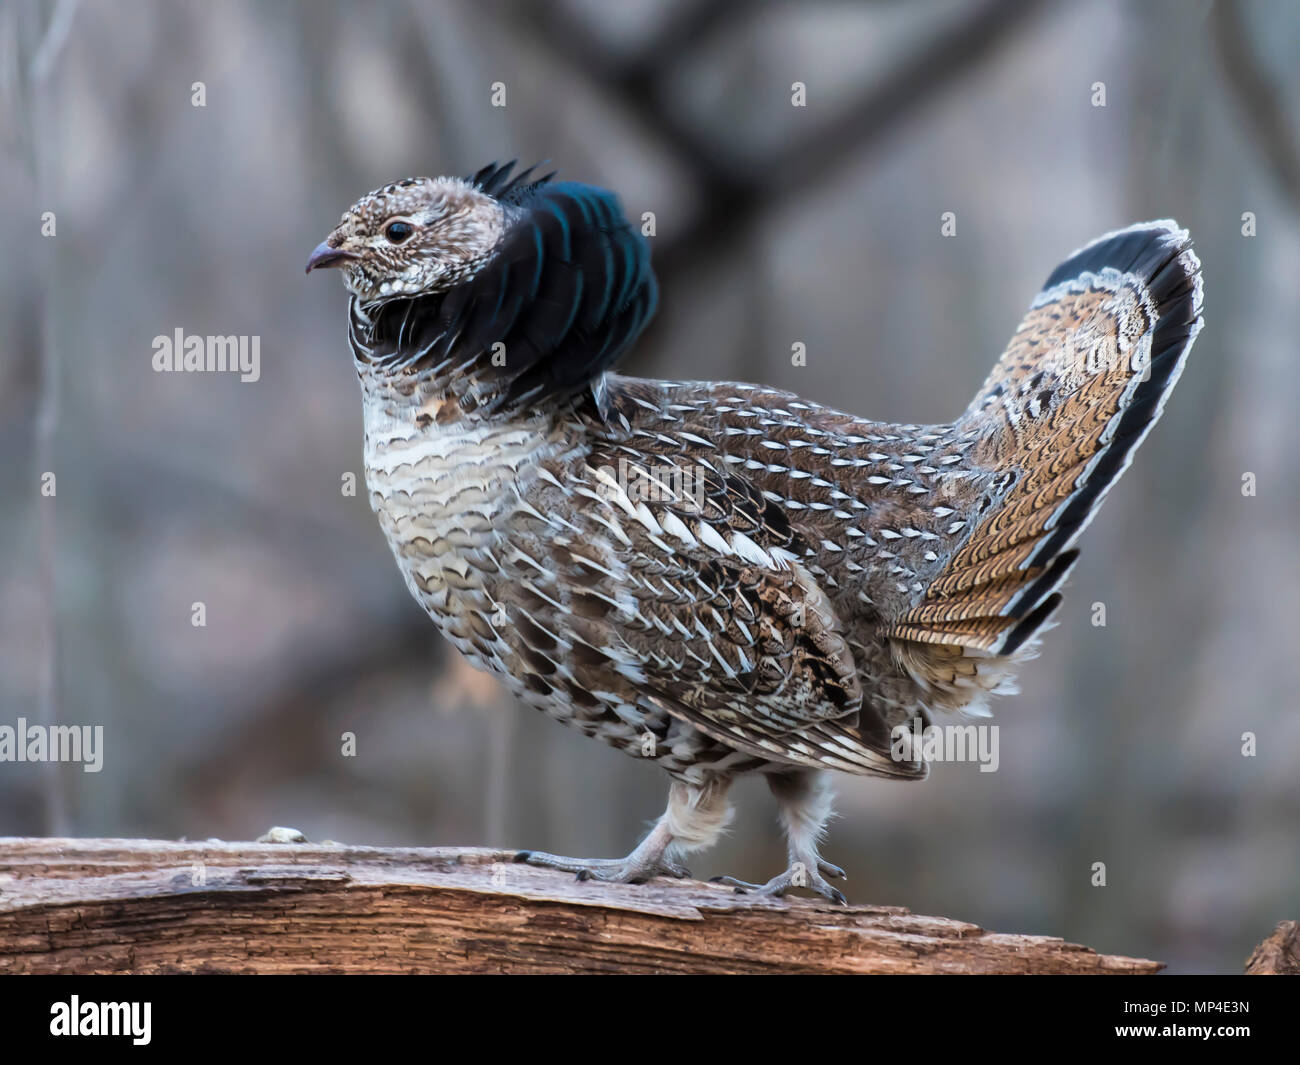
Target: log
(80,906)
(1279,954)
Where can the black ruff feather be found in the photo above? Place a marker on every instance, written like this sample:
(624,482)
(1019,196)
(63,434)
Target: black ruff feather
(494,179)
(567,292)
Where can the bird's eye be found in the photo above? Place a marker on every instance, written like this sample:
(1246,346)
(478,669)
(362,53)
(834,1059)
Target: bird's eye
(398,232)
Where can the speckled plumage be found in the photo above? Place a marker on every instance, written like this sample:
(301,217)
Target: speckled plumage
(723,578)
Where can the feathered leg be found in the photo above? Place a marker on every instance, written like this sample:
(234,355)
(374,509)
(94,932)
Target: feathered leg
(696,816)
(806,803)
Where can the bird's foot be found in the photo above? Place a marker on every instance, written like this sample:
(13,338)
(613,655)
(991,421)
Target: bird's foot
(634,869)
(799,875)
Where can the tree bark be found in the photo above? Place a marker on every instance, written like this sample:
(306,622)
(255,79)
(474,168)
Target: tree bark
(1279,954)
(148,906)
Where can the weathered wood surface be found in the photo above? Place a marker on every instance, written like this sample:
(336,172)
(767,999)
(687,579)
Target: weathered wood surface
(1279,954)
(147,906)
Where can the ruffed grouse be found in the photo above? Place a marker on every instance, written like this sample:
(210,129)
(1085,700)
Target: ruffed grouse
(724,578)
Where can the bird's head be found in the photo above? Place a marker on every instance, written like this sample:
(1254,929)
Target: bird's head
(414,237)
(508,290)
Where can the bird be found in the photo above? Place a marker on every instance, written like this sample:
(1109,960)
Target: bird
(724,578)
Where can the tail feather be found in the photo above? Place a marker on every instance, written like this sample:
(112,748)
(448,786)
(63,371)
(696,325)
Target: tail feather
(1081,383)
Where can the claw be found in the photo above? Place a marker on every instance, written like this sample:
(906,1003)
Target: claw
(629,870)
(833,871)
(795,876)
(741,886)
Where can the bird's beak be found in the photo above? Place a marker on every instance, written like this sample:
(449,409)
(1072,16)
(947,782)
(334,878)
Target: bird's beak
(324,255)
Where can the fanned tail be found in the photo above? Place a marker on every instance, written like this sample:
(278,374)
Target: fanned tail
(1080,385)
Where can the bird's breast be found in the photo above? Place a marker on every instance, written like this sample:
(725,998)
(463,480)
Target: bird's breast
(446,494)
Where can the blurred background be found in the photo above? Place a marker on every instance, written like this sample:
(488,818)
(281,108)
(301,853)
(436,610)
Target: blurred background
(776,224)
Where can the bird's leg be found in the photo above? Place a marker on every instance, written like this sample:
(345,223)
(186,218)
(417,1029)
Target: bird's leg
(805,800)
(696,816)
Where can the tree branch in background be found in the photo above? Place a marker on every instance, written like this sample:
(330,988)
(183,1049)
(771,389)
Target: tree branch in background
(43,139)
(735,190)
(1258,98)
